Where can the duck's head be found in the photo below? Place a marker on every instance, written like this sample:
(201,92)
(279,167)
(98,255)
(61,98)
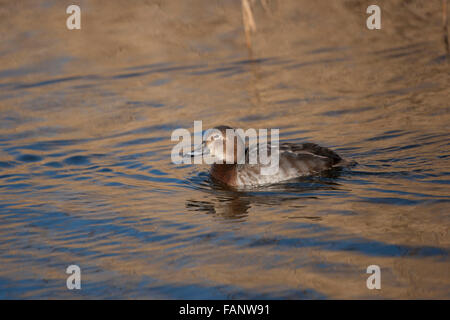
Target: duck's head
(224,145)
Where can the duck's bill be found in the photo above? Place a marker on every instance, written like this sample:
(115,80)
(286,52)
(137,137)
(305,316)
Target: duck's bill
(200,150)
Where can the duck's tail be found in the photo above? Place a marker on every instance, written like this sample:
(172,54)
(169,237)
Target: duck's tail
(345,163)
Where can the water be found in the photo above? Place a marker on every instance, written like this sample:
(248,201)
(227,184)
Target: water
(85,171)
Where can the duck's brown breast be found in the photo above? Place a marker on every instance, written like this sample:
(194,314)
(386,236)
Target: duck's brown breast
(225,173)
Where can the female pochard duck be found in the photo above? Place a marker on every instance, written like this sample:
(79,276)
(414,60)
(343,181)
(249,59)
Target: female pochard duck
(232,166)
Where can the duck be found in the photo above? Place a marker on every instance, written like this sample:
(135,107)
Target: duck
(232,166)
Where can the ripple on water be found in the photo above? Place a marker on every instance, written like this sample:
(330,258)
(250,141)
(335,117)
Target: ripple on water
(54,164)
(29,158)
(6,164)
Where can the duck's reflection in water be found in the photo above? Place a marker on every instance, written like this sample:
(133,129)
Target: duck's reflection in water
(234,208)
(232,204)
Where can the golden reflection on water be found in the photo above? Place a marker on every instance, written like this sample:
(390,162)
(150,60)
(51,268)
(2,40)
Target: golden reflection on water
(86,176)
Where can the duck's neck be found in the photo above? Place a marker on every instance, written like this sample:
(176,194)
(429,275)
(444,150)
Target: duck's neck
(225,173)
